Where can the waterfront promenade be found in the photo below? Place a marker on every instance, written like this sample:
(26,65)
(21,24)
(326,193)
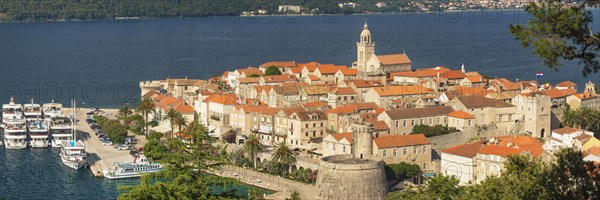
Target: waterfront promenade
(99,157)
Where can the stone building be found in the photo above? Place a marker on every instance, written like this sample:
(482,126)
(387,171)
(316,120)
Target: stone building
(534,110)
(402,121)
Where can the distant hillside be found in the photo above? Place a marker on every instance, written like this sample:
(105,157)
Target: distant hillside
(51,10)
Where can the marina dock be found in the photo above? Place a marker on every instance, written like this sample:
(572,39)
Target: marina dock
(100,157)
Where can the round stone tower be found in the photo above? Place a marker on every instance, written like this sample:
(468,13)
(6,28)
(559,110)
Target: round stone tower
(359,175)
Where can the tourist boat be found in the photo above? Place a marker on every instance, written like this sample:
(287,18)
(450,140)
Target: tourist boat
(72,154)
(133,169)
(32,111)
(14,126)
(38,133)
(60,130)
(15,132)
(52,110)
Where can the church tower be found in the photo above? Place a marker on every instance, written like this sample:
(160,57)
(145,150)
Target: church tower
(365,49)
(590,87)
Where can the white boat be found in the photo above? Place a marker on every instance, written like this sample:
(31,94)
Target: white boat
(133,169)
(38,133)
(32,111)
(60,130)
(52,110)
(15,132)
(12,110)
(72,154)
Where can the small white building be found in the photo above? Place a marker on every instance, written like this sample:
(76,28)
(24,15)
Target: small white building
(565,138)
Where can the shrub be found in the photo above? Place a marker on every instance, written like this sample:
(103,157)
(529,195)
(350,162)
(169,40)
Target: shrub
(272,70)
(230,137)
(404,170)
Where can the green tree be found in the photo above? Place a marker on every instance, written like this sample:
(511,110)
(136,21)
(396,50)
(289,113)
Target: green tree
(272,70)
(404,170)
(570,177)
(170,117)
(253,75)
(124,111)
(180,122)
(145,107)
(253,147)
(419,129)
(561,32)
(285,155)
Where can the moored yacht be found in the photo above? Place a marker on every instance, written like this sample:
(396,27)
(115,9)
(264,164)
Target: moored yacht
(15,132)
(133,169)
(38,133)
(12,110)
(52,110)
(60,130)
(32,111)
(73,154)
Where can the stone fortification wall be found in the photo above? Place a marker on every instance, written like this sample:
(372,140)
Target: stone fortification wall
(342,177)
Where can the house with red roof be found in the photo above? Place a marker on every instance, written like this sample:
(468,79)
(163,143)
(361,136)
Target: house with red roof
(327,72)
(283,66)
(458,161)
(214,111)
(461,120)
(341,96)
(566,85)
(413,149)
(345,74)
(164,103)
(589,100)
(488,111)
(337,144)
(383,96)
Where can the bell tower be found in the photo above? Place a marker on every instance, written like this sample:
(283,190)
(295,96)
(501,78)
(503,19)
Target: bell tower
(590,87)
(365,49)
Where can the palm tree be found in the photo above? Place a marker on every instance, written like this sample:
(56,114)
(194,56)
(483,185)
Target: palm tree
(170,117)
(180,122)
(252,146)
(124,111)
(145,107)
(569,117)
(284,155)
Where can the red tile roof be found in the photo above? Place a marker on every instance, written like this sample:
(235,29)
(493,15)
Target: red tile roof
(426,72)
(391,141)
(330,69)
(225,99)
(566,130)
(453,74)
(279,64)
(586,95)
(278,78)
(566,84)
(315,104)
(366,83)
(468,150)
(461,115)
(349,71)
(344,91)
(556,93)
(393,59)
(340,136)
(499,150)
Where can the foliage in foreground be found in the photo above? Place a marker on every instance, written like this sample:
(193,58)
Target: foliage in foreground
(569,177)
(184,176)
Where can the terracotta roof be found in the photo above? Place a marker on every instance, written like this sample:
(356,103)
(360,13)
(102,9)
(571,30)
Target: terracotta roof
(353,107)
(406,113)
(453,74)
(461,115)
(474,79)
(344,91)
(269,111)
(249,71)
(583,137)
(340,136)
(556,93)
(318,89)
(278,78)
(523,143)
(289,111)
(183,135)
(474,101)
(502,95)
(385,142)
(311,66)
(349,71)
(249,108)
(313,77)
(296,70)
(279,64)
(393,59)
(401,90)
(167,102)
(225,99)
(366,83)
(566,130)
(248,80)
(463,90)
(586,95)
(306,115)
(226,73)
(425,72)
(330,69)
(468,150)
(266,88)
(499,150)
(594,150)
(380,126)
(566,84)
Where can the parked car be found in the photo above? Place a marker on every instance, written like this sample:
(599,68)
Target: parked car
(107,142)
(122,147)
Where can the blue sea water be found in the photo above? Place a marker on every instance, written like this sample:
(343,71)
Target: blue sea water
(100,64)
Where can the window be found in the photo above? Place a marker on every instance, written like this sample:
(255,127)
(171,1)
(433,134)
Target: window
(424,149)
(412,123)
(314,125)
(344,149)
(384,153)
(404,151)
(509,117)
(415,150)
(424,166)
(430,120)
(395,153)
(321,124)
(500,118)
(306,125)
(397,124)
(334,147)
(306,134)
(469,123)
(421,121)
(404,123)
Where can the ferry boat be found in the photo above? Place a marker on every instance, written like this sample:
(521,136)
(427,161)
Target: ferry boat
(72,154)
(12,110)
(133,169)
(32,111)
(52,110)
(38,133)
(60,130)
(15,132)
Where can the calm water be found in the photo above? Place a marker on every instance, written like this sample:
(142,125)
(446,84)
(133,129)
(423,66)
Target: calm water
(100,64)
